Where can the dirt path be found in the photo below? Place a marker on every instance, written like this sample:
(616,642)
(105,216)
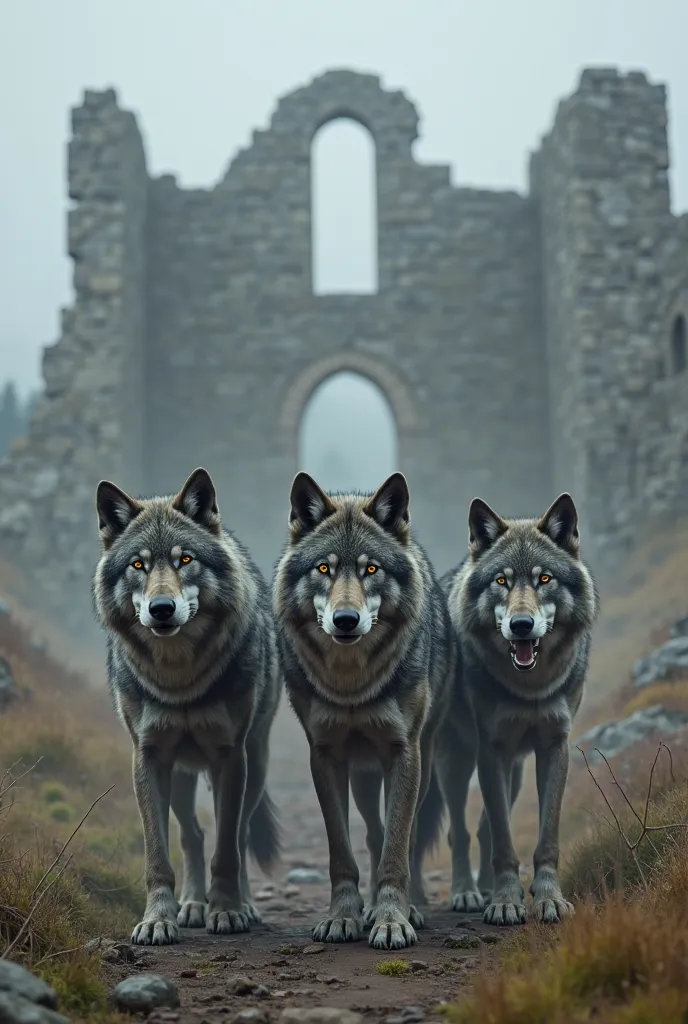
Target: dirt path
(277,966)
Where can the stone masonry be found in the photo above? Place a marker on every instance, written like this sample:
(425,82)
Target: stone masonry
(526,343)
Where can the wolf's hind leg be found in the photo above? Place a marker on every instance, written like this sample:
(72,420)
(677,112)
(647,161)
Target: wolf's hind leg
(455,763)
(257,757)
(366,787)
(193,894)
(152,785)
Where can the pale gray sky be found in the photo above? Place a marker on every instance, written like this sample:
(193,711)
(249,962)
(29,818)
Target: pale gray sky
(486,77)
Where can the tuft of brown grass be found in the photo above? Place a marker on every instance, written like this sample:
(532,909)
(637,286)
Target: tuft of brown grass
(622,957)
(71,866)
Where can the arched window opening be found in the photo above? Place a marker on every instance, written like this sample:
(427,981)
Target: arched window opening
(343,210)
(348,435)
(678,344)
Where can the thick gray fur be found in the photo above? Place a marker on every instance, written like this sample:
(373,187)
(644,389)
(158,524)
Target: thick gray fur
(198,694)
(371,707)
(500,713)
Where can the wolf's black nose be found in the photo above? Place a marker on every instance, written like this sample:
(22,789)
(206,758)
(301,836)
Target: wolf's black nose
(346,619)
(162,608)
(521,625)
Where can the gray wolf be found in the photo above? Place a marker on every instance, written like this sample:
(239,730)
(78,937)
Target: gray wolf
(193,674)
(523,605)
(367,651)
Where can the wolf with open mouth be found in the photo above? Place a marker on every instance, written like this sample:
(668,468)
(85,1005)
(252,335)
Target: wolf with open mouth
(523,604)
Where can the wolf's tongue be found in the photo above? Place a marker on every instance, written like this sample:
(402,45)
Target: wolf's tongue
(523,651)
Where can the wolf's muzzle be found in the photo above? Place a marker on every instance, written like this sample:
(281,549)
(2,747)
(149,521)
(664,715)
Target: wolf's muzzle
(162,608)
(346,621)
(524,646)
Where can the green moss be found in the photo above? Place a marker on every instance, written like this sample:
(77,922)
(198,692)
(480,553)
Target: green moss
(393,967)
(61,812)
(53,792)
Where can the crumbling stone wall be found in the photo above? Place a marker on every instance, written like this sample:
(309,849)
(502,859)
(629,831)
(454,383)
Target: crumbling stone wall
(522,341)
(234,327)
(614,259)
(88,422)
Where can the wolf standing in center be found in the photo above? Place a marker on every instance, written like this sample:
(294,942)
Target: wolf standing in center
(367,651)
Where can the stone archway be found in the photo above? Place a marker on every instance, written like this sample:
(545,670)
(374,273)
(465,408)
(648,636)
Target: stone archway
(347,435)
(298,393)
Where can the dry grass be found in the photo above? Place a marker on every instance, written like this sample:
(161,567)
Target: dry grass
(673,695)
(63,735)
(621,959)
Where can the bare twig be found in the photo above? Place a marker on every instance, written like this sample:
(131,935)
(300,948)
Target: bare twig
(97,799)
(51,956)
(645,829)
(4,790)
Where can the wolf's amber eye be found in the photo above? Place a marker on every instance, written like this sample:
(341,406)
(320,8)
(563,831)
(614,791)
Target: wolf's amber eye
(545,578)
(185,559)
(371,569)
(138,564)
(324,568)
(501,581)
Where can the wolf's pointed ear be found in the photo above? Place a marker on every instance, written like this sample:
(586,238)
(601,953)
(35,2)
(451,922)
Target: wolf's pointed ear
(484,527)
(560,524)
(197,500)
(115,511)
(309,505)
(389,506)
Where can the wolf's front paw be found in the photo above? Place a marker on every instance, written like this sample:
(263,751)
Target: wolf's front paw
(227,922)
(548,900)
(338,929)
(159,931)
(553,910)
(506,913)
(467,901)
(191,915)
(392,931)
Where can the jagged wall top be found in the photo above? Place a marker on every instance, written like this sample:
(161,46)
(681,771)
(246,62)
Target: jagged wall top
(390,117)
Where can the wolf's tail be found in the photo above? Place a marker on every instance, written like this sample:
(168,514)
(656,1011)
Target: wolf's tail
(264,834)
(430,815)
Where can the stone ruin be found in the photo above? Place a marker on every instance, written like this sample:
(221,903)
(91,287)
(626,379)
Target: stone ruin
(527,344)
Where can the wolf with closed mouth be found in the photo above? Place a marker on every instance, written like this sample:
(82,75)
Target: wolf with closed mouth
(194,677)
(367,651)
(523,605)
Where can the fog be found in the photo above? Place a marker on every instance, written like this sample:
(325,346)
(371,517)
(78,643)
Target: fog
(485,77)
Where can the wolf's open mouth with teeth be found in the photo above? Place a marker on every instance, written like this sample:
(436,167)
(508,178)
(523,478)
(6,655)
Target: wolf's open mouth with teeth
(524,653)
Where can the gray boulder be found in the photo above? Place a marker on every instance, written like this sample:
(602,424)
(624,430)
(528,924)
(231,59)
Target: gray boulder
(680,627)
(145,992)
(665,663)
(9,691)
(26,999)
(614,737)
